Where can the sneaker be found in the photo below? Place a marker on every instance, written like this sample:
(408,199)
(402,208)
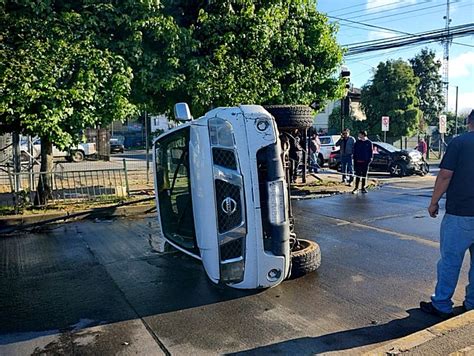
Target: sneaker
(364,191)
(355,191)
(429,308)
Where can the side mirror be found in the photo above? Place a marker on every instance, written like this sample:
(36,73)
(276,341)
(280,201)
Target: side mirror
(181,112)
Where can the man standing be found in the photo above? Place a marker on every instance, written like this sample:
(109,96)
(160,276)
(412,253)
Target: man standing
(314,148)
(456,178)
(346,143)
(296,154)
(363,154)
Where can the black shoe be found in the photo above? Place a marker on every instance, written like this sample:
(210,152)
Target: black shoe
(429,308)
(363,190)
(464,308)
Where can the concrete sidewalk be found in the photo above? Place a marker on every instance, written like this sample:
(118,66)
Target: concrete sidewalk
(451,337)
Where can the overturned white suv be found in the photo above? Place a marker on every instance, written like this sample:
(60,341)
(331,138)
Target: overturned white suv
(222,197)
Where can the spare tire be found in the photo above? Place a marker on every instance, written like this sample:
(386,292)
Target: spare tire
(305,258)
(291,116)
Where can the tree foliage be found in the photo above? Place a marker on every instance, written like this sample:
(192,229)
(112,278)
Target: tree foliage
(263,52)
(350,122)
(392,92)
(430,88)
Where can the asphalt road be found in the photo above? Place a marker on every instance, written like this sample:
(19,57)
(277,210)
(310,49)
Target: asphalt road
(103,287)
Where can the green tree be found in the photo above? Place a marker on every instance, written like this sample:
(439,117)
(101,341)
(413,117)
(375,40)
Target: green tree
(350,122)
(55,80)
(430,88)
(272,52)
(392,92)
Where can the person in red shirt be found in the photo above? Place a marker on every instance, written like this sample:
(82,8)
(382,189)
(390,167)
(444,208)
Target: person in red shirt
(422,147)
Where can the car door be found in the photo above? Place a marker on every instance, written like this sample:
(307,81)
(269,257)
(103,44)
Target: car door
(173,190)
(381,159)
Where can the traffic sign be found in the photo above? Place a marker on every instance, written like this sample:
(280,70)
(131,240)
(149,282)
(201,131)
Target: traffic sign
(442,124)
(385,123)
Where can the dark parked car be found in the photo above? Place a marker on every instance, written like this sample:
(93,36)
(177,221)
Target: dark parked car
(116,145)
(388,158)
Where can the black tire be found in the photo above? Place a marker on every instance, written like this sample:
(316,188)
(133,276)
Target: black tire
(77,156)
(292,116)
(425,168)
(306,259)
(398,169)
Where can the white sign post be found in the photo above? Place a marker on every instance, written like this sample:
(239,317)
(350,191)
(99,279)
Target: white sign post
(442,124)
(385,126)
(442,131)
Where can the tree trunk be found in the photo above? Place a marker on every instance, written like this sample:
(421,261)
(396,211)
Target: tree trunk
(43,190)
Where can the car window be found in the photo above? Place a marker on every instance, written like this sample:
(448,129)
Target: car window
(325,140)
(386,146)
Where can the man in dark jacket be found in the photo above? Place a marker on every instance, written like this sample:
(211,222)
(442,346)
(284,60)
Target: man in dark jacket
(456,178)
(363,154)
(346,143)
(296,154)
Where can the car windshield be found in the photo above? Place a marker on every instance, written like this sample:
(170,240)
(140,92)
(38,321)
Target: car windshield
(325,140)
(173,188)
(387,146)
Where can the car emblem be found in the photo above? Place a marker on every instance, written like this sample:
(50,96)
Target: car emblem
(229,206)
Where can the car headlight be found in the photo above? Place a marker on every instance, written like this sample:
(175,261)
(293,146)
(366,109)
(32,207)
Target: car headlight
(276,202)
(221,133)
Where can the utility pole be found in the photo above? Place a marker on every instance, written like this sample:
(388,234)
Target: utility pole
(456,111)
(446,44)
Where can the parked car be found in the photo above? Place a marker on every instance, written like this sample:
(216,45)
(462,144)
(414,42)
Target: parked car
(74,153)
(388,158)
(328,145)
(116,144)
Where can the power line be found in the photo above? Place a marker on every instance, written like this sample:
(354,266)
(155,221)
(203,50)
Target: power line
(378,12)
(400,41)
(405,12)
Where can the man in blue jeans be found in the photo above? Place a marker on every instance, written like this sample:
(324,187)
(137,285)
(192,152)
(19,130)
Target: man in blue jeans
(346,143)
(456,178)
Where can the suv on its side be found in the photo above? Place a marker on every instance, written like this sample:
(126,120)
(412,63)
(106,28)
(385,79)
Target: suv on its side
(222,197)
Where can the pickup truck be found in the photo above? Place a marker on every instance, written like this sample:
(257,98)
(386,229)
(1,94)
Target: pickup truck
(74,153)
(222,195)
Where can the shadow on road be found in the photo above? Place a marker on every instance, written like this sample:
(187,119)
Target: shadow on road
(348,339)
(75,275)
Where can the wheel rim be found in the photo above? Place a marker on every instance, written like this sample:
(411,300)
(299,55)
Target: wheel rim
(396,170)
(77,156)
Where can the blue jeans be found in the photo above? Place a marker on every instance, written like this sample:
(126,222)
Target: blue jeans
(457,236)
(314,162)
(346,168)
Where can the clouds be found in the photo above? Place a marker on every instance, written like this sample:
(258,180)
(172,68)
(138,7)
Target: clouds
(462,65)
(379,5)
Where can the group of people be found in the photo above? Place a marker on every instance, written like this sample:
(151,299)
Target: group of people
(356,156)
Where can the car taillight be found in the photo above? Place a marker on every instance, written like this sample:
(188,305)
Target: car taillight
(334,148)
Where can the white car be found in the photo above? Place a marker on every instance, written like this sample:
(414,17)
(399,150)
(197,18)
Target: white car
(75,153)
(328,145)
(222,197)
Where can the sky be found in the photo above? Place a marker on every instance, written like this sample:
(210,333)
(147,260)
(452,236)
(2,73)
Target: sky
(411,16)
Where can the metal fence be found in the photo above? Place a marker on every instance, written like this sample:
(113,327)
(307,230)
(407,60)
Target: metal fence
(66,185)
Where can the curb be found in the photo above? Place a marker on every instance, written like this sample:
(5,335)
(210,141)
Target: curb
(409,342)
(12,223)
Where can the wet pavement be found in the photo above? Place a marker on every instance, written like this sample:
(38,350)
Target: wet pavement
(103,287)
